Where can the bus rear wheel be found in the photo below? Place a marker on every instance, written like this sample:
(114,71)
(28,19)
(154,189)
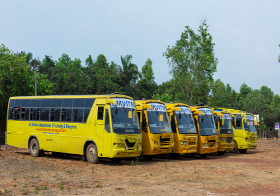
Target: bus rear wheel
(91,153)
(189,155)
(35,149)
(242,151)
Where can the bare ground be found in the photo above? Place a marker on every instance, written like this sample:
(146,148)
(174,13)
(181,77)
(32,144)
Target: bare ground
(254,173)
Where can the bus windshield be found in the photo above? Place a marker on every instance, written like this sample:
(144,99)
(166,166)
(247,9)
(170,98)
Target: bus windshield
(125,121)
(185,123)
(158,121)
(249,126)
(207,125)
(226,128)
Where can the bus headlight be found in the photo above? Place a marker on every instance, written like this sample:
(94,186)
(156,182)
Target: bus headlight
(126,147)
(246,139)
(182,143)
(138,146)
(222,139)
(185,143)
(155,143)
(205,144)
(118,145)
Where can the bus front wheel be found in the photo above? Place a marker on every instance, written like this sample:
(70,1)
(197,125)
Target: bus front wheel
(35,149)
(221,152)
(91,153)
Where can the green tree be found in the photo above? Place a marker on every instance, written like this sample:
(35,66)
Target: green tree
(17,79)
(275,101)
(193,64)
(128,76)
(147,85)
(267,93)
(218,94)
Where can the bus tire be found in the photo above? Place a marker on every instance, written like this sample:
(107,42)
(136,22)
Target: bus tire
(116,160)
(34,148)
(91,153)
(221,152)
(203,155)
(242,151)
(235,149)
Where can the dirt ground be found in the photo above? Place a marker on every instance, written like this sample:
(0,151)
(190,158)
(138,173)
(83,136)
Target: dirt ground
(254,173)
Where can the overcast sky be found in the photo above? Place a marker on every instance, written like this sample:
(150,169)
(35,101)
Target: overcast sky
(246,33)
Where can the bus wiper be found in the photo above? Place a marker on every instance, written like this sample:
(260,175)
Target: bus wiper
(157,111)
(124,108)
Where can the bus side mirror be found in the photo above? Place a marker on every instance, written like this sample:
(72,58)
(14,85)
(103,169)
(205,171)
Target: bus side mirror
(180,115)
(116,109)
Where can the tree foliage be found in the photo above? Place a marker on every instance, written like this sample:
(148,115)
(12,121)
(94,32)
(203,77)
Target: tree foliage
(193,64)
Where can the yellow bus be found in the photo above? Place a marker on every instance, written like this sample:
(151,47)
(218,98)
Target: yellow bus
(94,126)
(245,135)
(183,128)
(207,133)
(224,130)
(157,137)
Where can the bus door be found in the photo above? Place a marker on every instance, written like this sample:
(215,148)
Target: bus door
(103,128)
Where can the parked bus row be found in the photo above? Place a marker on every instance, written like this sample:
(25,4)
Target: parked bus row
(117,127)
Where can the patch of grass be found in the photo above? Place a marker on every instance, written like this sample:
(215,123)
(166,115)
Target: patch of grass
(165,166)
(151,174)
(15,185)
(189,180)
(25,191)
(0,192)
(25,184)
(61,185)
(5,190)
(45,187)
(92,170)
(36,190)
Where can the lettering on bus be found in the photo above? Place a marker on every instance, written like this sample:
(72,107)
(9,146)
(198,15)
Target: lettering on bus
(226,116)
(205,110)
(124,103)
(158,107)
(184,110)
(53,125)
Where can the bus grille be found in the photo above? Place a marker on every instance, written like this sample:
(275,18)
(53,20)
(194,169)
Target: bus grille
(129,145)
(229,139)
(164,141)
(191,143)
(211,144)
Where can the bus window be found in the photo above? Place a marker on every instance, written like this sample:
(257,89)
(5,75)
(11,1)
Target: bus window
(78,115)
(107,123)
(45,114)
(27,112)
(100,113)
(55,114)
(16,113)
(66,115)
(173,125)
(34,114)
(144,123)
(11,113)
(22,113)
(86,113)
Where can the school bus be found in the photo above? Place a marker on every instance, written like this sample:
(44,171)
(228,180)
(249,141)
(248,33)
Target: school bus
(157,137)
(94,126)
(223,122)
(245,135)
(207,133)
(183,128)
